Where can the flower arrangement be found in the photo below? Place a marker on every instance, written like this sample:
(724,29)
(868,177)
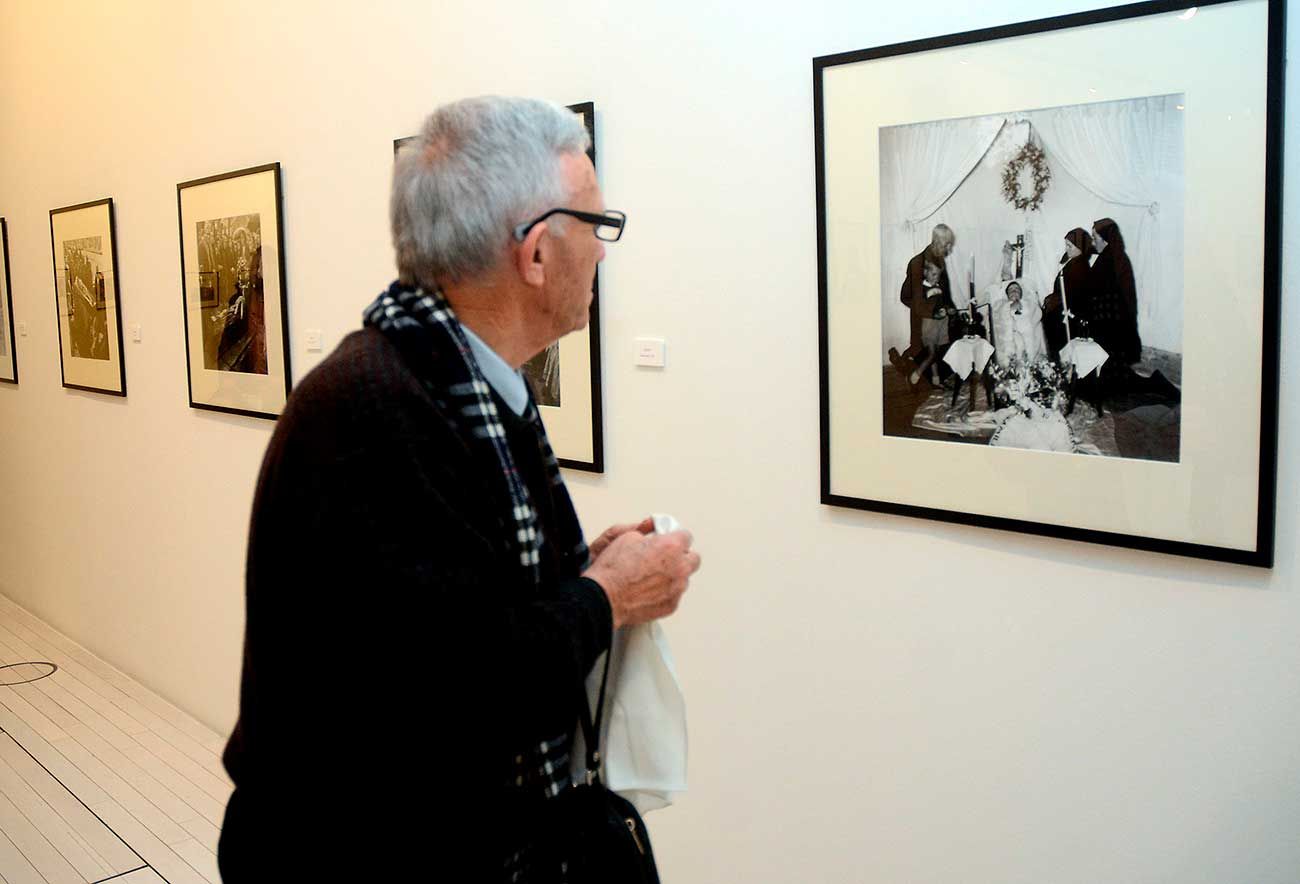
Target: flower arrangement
(1032,388)
(1030,156)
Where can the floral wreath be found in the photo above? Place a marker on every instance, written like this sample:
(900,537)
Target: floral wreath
(1037,161)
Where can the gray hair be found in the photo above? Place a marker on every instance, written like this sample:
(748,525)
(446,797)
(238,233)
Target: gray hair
(478,167)
(942,232)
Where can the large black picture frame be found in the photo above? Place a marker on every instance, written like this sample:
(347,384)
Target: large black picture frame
(1215,508)
(259,385)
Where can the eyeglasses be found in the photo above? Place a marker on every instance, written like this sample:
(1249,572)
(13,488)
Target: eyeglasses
(609,226)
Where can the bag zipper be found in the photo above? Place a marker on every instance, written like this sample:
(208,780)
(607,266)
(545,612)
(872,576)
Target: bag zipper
(631,827)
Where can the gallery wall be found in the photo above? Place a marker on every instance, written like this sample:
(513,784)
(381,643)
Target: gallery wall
(871,699)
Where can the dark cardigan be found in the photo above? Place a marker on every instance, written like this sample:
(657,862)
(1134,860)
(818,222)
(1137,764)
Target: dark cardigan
(395,660)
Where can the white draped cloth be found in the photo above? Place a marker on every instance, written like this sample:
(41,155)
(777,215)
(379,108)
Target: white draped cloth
(968,355)
(1085,354)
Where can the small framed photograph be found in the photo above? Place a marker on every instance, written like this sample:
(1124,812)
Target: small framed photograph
(1026,293)
(233,293)
(8,356)
(84,248)
(565,377)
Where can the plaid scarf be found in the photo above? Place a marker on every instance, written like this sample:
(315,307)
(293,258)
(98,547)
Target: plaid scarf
(422,323)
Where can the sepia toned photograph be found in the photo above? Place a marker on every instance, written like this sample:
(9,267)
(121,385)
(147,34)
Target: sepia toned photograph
(1037,257)
(231,294)
(84,253)
(84,274)
(236,308)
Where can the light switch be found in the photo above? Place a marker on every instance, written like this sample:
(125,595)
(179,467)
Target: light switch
(22,328)
(135,332)
(650,352)
(313,340)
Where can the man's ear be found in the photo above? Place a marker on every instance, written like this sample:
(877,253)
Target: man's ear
(528,257)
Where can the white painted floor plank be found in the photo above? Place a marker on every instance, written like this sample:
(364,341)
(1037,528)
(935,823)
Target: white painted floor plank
(157,854)
(143,876)
(213,786)
(201,859)
(205,833)
(116,854)
(54,760)
(38,850)
(204,805)
(56,830)
(158,795)
(122,794)
(31,716)
(17,869)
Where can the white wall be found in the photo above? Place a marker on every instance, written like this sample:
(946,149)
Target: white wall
(872,699)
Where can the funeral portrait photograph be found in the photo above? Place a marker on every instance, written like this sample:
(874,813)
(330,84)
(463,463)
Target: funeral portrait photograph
(1037,258)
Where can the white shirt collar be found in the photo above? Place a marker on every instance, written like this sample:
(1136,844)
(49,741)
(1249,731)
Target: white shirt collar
(506,381)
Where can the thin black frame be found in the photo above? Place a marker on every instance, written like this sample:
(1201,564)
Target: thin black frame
(1265,542)
(117,298)
(284,287)
(9,302)
(597,462)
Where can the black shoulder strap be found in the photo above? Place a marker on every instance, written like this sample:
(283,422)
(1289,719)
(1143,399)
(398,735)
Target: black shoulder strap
(590,729)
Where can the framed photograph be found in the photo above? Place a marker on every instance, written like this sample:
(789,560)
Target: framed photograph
(8,355)
(565,377)
(233,293)
(1045,304)
(83,243)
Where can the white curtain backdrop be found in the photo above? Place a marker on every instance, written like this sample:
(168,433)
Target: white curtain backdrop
(1118,159)
(921,168)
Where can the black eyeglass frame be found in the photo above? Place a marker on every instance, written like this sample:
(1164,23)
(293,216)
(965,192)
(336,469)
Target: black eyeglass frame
(611,218)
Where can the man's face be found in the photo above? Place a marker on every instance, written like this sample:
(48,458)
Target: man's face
(945,243)
(578,251)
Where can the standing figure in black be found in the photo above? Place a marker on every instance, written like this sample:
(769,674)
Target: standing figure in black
(1070,292)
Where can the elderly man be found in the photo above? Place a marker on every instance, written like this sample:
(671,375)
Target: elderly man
(422,608)
(928,295)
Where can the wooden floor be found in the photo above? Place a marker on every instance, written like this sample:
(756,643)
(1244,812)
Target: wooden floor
(100,779)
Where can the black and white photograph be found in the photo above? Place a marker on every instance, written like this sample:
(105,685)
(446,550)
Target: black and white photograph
(230,279)
(543,373)
(8,356)
(84,273)
(233,292)
(1048,277)
(1037,258)
(84,253)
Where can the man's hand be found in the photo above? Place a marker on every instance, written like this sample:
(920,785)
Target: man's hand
(644,576)
(598,546)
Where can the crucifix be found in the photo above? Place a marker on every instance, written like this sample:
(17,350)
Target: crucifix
(1019,248)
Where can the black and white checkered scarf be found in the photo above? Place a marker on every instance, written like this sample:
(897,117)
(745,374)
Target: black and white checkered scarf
(421,323)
